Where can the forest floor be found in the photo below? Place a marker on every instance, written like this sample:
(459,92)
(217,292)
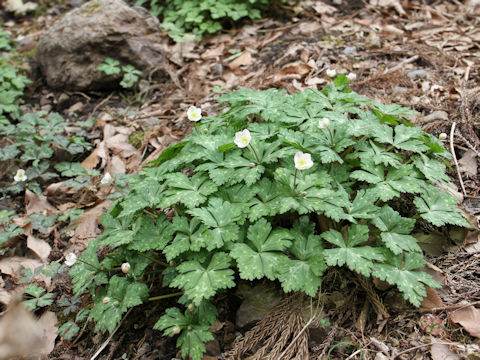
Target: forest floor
(424,55)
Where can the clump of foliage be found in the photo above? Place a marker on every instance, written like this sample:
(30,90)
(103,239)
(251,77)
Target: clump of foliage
(199,17)
(33,141)
(130,73)
(12,82)
(280,187)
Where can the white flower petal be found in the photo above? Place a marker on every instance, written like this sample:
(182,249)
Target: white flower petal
(242,138)
(351,76)
(323,123)
(70,259)
(331,72)
(303,161)
(194,113)
(106,178)
(20,176)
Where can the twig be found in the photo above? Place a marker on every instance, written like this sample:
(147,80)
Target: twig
(104,345)
(452,150)
(99,105)
(419,347)
(448,307)
(399,65)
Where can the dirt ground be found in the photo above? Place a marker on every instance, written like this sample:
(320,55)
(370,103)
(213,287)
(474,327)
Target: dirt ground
(421,54)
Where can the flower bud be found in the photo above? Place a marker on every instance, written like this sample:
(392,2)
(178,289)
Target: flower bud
(331,72)
(70,259)
(352,76)
(171,263)
(323,123)
(303,193)
(442,136)
(125,267)
(176,330)
(106,300)
(251,165)
(116,303)
(205,131)
(191,307)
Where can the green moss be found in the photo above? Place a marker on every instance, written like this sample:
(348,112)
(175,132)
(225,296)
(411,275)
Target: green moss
(136,139)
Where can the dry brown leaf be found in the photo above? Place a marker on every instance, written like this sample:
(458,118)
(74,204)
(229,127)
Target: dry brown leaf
(13,265)
(432,300)
(86,228)
(91,161)
(40,247)
(308,27)
(443,352)
(119,145)
(468,163)
(47,323)
(296,70)
(213,53)
(243,60)
(117,166)
(20,334)
(321,8)
(37,204)
(469,318)
(389,4)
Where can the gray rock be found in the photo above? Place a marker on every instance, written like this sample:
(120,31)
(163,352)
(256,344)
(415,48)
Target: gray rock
(258,301)
(350,51)
(70,51)
(417,74)
(436,115)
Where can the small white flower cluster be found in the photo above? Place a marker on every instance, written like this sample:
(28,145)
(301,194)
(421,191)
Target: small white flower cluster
(332,73)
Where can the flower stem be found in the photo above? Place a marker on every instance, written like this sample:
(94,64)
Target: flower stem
(153,259)
(331,137)
(294,182)
(166,296)
(86,263)
(254,153)
(196,130)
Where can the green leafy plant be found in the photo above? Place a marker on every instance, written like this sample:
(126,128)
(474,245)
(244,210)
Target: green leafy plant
(131,75)
(8,229)
(34,140)
(12,82)
(278,187)
(199,17)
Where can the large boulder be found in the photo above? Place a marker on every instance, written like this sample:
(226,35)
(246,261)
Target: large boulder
(71,49)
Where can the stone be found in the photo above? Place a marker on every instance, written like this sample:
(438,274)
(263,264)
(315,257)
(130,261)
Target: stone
(436,115)
(417,74)
(350,51)
(258,301)
(70,51)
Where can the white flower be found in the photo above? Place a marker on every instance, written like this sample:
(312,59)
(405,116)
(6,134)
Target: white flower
(125,267)
(323,123)
(106,178)
(242,138)
(351,76)
(331,72)
(70,259)
(20,175)
(442,136)
(194,113)
(303,161)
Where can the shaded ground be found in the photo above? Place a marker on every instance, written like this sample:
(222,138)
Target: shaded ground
(421,54)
